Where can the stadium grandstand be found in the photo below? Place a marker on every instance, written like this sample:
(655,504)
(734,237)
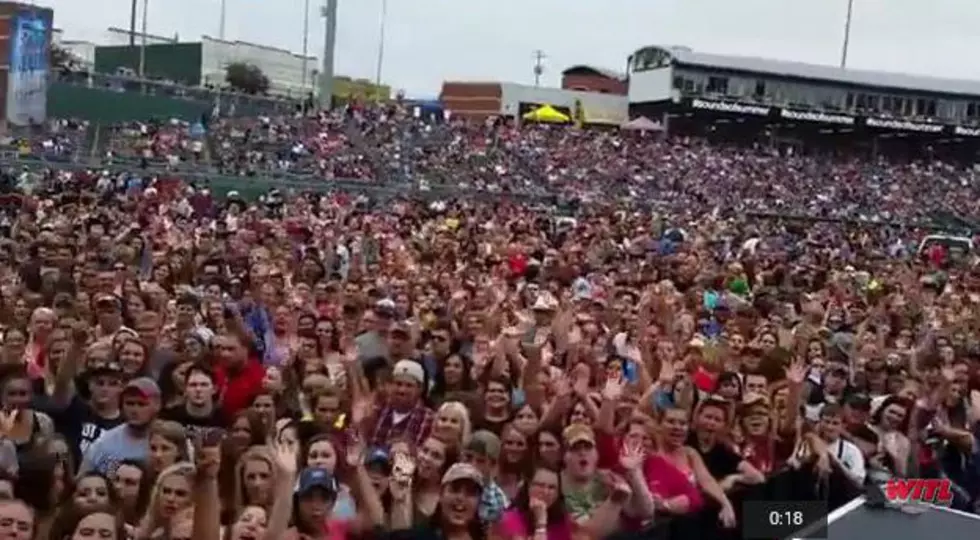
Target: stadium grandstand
(805,106)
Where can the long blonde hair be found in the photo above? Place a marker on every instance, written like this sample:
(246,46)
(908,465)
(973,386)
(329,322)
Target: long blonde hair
(459,410)
(181,468)
(255,453)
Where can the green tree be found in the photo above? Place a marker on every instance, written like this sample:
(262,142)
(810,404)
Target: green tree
(61,58)
(247,78)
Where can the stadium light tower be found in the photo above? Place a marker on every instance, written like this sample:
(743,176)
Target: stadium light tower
(539,57)
(847,34)
(221,21)
(306,41)
(132,24)
(329,13)
(146,9)
(381,43)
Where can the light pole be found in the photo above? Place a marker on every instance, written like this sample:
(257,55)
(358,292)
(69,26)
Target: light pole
(221,22)
(132,24)
(381,43)
(847,34)
(306,40)
(539,57)
(146,6)
(329,13)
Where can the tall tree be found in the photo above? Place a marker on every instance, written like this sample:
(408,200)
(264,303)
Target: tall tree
(247,78)
(61,58)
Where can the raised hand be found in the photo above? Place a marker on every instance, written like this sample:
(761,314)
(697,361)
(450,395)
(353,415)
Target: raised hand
(631,456)
(354,453)
(796,371)
(207,455)
(562,385)
(613,390)
(361,409)
(401,477)
(286,458)
(581,385)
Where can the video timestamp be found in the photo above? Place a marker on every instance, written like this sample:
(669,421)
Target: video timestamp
(765,520)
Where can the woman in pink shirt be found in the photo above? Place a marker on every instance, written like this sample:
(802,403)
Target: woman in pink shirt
(538,512)
(672,489)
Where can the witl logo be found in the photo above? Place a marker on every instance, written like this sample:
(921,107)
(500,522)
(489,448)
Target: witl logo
(925,490)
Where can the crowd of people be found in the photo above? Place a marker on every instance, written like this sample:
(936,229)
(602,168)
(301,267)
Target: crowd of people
(160,144)
(177,365)
(390,145)
(58,140)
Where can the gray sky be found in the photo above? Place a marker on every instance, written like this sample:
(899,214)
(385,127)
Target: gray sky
(429,41)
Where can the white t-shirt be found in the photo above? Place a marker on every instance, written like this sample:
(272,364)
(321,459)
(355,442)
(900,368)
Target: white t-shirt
(850,457)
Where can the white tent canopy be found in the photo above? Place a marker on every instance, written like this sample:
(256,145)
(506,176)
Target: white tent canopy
(642,123)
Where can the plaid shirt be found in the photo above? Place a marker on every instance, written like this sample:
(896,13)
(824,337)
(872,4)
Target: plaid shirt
(415,428)
(493,502)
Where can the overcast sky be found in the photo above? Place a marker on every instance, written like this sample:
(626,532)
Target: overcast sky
(429,41)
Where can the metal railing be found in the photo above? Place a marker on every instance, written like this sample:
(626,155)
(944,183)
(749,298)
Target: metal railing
(224,98)
(253,185)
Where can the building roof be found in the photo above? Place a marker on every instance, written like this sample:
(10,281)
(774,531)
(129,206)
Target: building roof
(817,72)
(139,35)
(602,72)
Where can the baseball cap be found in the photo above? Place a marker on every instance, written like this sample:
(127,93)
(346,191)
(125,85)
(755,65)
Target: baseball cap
(577,433)
(188,299)
(463,471)
(484,443)
(545,302)
(377,456)
(754,402)
(316,477)
(402,328)
(110,300)
(411,369)
(144,386)
(110,367)
(860,402)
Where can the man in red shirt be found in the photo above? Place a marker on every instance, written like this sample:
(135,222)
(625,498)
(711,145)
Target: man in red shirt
(238,373)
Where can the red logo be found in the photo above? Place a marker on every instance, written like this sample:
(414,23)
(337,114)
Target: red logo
(924,490)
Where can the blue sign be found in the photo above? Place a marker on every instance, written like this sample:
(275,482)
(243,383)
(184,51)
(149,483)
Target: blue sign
(27,83)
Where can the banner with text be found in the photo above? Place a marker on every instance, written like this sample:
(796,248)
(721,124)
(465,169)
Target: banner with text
(832,118)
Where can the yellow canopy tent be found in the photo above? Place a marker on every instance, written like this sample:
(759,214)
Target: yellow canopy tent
(548,114)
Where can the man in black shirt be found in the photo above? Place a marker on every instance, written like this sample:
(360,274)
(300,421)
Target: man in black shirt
(83,421)
(199,411)
(740,480)
(728,468)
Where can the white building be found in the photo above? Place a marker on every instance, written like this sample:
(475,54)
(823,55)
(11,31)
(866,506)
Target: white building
(83,51)
(283,68)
